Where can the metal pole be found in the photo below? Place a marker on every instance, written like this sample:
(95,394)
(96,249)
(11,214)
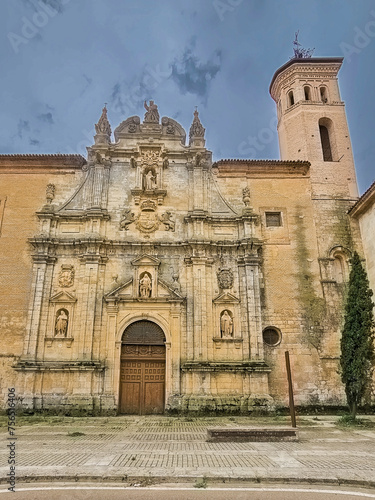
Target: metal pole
(290,385)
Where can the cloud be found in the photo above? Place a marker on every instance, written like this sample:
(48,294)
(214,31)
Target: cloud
(23,126)
(46,117)
(53,4)
(34,142)
(193,75)
(128,96)
(88,81)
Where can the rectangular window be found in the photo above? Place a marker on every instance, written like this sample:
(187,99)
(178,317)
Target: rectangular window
(273,219)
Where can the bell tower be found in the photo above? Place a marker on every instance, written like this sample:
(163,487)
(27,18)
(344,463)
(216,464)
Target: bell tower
(312,123)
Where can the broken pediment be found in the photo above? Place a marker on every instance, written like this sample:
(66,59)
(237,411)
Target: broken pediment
(127,291)
(129,126)
(146,260)
(165,290)
(226,298)
(220,206)
(63,297)
(123,291)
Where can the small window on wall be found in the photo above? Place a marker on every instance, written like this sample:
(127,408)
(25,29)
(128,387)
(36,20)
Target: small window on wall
(273,219)
(271,336)
(307,91)
(338,269)
(290,98)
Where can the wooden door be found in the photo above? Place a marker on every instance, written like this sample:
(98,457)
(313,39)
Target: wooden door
(142,379)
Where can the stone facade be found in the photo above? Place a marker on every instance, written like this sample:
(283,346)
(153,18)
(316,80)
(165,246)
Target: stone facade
(154,280)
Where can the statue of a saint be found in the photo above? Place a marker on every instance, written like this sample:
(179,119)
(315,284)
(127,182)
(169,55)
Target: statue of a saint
(152,113)
(145,286)
(226,324)
(61,326)
(150,180)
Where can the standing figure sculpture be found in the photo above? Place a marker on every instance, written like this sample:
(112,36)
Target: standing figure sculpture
(150,180)
(61,326)
(226,324)
(145,286)
(152,113)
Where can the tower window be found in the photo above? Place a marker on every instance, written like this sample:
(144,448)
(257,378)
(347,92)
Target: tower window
(326,145)
(323,94)
(307,91)
(290,98)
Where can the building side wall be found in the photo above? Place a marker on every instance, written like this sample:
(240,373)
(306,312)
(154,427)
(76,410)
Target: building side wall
(22,194)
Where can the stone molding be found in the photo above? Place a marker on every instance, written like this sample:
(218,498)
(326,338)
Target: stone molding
(240,366)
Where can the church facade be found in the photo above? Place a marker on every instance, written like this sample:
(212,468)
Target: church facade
(149,279)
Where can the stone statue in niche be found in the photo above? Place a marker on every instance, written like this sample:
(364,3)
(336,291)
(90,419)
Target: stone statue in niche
(150,180)
(152,113)
(145,286)
(61,324)
(226,324)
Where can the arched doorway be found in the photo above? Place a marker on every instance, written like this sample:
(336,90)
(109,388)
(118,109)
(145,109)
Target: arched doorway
(142,380)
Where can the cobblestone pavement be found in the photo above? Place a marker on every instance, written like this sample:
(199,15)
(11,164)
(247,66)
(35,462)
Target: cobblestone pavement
(164,448)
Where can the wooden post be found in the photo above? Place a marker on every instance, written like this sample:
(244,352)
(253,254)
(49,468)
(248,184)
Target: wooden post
(290,385)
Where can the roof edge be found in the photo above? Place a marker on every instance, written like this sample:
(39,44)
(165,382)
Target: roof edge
(360,204)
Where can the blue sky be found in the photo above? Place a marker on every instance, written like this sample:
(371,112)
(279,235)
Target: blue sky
(63,59)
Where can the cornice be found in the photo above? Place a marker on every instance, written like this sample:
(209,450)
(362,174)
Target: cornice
(239,168)
(30,163)
(328,64)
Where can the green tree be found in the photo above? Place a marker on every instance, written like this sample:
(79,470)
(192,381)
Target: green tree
(357,341)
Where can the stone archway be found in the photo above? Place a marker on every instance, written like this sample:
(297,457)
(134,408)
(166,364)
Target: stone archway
(142,375)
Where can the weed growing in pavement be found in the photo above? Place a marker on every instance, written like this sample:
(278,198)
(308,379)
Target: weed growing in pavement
(348,420)
(201,482)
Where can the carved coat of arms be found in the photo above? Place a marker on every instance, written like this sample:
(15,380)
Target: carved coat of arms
(66,276)
(225,278)
(147,220)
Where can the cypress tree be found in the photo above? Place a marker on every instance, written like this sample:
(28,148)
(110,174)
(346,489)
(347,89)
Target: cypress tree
(357,340)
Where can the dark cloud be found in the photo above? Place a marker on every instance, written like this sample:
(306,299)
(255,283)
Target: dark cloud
(34,142)
(46,118)
(193,75)
(128,96)
(88,81)
(23,126)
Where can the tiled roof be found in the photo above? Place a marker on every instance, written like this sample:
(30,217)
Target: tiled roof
(277,162)
(360,204)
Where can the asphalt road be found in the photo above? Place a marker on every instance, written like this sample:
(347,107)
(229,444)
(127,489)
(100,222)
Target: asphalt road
(28,492)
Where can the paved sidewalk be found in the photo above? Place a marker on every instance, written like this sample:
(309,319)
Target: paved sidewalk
(154,449)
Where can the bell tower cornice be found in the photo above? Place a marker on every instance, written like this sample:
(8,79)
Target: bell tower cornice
(313,67)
